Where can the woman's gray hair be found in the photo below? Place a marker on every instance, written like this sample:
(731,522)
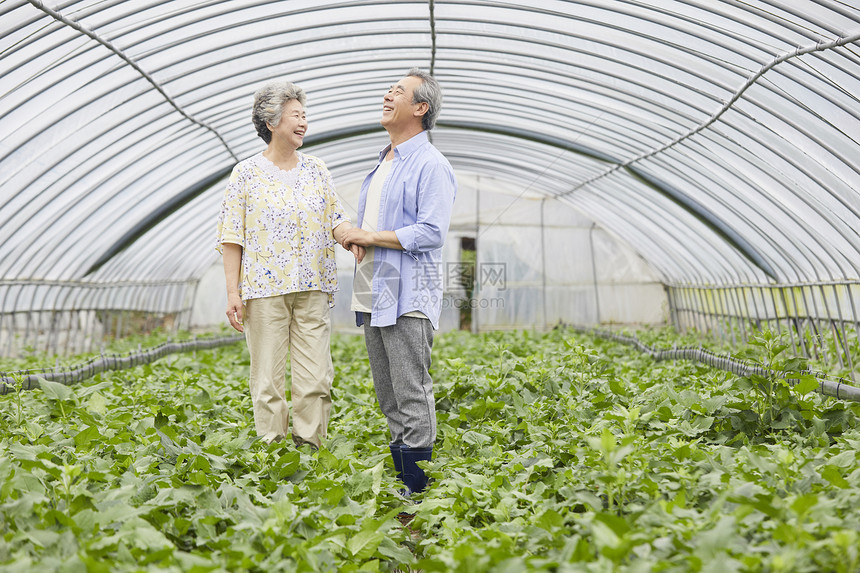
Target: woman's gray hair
(429,92)
(269,103)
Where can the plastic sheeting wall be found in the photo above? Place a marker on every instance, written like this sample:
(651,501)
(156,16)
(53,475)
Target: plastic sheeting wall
(521,237)
(541,262)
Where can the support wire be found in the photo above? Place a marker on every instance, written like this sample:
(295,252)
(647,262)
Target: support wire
(75,25)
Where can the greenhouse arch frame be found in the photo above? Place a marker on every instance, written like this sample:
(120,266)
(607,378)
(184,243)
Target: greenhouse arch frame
(702,157)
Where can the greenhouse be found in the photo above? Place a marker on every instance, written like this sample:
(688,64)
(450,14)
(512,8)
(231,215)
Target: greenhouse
(648,349)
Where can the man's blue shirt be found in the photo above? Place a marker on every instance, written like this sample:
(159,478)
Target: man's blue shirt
(416,203)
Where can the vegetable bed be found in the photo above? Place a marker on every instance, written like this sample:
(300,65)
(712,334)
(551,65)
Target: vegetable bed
(556,452)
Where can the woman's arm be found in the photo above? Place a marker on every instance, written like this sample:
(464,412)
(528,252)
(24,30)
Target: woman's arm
(339,231)
(232,255)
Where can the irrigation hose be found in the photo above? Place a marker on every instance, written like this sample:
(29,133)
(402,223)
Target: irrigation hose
(29,379)
(837,388)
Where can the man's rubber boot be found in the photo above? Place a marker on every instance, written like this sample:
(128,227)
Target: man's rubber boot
(397,457)
(413,476)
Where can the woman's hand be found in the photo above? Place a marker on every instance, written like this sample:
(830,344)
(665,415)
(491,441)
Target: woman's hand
(235,311)
(341,234)
(232,254)
(358,252)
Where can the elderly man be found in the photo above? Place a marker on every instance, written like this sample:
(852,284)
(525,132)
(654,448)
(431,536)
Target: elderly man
(404,211)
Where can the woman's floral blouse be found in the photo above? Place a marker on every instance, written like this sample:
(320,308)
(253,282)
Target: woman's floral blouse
(283,221)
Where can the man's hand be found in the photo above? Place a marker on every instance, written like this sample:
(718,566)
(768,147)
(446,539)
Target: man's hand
(235,311)
(341,232)
(357,236)
(362,238)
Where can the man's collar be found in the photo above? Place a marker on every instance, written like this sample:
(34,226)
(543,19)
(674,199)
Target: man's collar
(407,147)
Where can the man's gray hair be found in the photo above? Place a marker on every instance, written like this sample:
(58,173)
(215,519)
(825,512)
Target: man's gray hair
(269,103)
(429,92)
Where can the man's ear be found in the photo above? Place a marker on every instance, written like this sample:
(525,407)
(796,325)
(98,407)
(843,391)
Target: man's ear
(423,108)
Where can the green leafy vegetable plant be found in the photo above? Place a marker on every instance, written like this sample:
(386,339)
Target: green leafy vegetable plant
(556,452)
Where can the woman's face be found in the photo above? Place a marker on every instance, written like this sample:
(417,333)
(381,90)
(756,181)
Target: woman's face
(293,125)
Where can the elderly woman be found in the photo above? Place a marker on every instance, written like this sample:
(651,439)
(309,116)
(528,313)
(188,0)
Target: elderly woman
(279,222)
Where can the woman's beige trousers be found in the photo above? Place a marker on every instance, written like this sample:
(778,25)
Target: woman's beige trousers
(298,324)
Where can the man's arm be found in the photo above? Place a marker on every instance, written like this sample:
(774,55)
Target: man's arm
(437,187)
(360,237)
(435,202)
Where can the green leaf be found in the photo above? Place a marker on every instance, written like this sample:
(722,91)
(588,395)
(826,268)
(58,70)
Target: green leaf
(846,460)
(55,390)
(803,503)
(144,536)
(97,404)
(795,364)
(765,504)
(364,544)
(711,543)
(90,389)
(361,483)
(605,443)
(807,384)
(604,536)
(476,438)
(618,525)
(834,476)
(86,521)
(702,423)
(398,554)
(87,435)
(550,520)
(25,451)
(202,398)
(43,538)
(333,495)
(617,387)
(779,349)
(328,460)
(287,464)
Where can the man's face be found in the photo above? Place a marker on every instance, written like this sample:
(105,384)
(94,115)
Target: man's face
(397,107)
